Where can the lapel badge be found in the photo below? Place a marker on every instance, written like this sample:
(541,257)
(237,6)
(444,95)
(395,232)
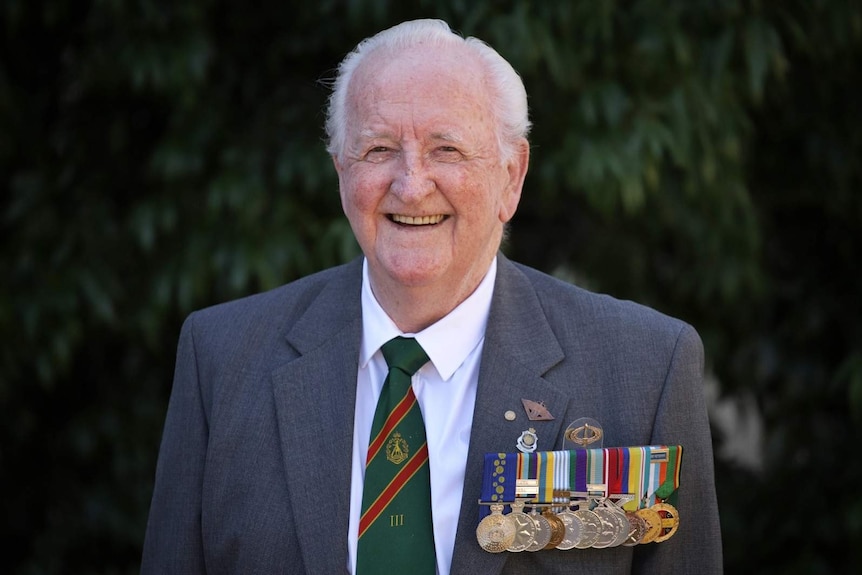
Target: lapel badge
(536,410)
(528,441)
(583,433)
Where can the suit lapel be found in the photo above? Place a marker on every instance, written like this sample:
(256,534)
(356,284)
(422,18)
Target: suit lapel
(519,349)
(314,397)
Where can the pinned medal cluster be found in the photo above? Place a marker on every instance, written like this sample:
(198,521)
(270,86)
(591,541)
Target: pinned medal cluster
(579,499)
(597,524)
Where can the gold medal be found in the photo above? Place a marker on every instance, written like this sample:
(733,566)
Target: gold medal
(558,529)
(495,532)
(592,526)
(574,527)
(669,521)
(653,524)
(525,528)
(543,532)
(637,529)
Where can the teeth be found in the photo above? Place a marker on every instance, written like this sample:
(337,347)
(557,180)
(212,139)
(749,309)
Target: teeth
(417,221)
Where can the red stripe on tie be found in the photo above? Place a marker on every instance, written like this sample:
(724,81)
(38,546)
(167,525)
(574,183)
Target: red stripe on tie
(388,494)
(395,417)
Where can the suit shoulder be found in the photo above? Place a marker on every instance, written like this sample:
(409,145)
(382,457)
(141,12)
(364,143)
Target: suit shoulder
(572,307)
(271,309)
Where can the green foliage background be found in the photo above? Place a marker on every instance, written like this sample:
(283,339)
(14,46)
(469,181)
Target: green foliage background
(703,157)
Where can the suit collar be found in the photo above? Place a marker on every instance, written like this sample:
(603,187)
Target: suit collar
(520,347)
(336,308)
(315,395)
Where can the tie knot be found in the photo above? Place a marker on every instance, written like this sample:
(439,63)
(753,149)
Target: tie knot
(404,353)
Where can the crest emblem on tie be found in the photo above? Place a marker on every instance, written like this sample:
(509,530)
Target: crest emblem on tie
(397,450)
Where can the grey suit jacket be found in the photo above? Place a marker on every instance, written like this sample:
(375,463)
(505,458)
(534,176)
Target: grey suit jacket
(254,468)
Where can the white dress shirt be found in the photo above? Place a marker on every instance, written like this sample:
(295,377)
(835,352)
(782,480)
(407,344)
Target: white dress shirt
(445,389)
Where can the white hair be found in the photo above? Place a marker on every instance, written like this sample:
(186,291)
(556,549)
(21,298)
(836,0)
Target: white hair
(506,90)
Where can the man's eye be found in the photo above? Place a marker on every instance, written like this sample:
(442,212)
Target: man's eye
(378,154)
(448,154)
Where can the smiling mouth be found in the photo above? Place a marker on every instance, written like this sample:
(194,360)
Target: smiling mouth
(418,220)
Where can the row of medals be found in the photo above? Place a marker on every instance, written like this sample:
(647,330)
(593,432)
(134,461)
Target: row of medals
(604,526)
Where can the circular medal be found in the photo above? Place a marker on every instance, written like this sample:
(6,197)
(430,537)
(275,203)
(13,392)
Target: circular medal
(610,528)
(543,532)
(574,527)
(637,529)
(495,532)
(525,528)
(624,526)
(653,524)
(558,529)
(592,525)
(669,521)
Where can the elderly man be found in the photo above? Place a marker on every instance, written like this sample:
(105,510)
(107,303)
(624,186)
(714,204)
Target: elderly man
(287,446)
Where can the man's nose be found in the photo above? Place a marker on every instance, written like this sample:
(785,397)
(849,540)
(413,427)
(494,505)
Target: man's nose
(413,180)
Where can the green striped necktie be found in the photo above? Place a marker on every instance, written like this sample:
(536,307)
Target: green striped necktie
(395,530)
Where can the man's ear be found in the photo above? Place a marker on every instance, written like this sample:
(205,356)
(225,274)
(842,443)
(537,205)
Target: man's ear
(516,168)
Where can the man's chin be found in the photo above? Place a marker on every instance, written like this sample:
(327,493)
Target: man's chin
(410,270)
(414,277)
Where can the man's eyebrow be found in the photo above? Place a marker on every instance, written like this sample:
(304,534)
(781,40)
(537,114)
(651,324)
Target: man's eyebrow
(371,134)
(447,137)
(368,134)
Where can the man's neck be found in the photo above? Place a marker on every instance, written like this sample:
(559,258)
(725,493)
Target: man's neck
(414,308)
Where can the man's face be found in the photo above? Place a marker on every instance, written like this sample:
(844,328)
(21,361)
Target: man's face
(421,176)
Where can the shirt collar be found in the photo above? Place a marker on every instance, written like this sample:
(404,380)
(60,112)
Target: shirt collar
(447,342)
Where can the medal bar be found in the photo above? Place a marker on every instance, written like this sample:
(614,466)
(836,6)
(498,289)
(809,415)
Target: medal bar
(578,499)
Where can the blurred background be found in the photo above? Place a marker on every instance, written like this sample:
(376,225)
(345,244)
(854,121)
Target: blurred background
(703,157)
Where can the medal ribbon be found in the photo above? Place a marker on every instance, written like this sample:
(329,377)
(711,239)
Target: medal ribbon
(651,471)
(634,481)
(581,470)
(499,479)
(671,480)
(645,472)
(545,469)
(596,468)
(614,471)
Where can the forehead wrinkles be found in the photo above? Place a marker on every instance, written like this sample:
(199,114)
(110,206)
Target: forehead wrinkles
(426,83)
